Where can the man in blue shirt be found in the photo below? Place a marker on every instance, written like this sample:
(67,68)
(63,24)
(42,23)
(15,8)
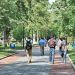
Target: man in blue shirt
(42,43)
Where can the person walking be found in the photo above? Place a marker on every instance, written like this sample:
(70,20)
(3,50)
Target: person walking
(62,48)
(29,49)
(61,45)
(51,44)
(42,44)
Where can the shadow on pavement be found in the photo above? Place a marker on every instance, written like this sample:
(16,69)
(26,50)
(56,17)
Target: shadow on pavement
(23,68)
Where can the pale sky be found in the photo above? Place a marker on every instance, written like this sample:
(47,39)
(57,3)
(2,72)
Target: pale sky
(50,1)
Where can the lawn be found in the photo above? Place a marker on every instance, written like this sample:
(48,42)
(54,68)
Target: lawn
(72,55)
(6,52)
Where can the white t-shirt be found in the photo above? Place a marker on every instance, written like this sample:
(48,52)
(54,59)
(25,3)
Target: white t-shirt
(59,42)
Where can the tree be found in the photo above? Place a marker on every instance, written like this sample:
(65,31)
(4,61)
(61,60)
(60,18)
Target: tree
(18,33)
(6,12)
(64,16)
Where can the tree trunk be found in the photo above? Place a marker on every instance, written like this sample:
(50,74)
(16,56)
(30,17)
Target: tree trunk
(37,36)
(5,39)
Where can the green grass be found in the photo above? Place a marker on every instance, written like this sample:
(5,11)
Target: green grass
(16,47)
(6,52)
(72,55)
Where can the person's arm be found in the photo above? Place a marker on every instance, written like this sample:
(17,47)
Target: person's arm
(48,42)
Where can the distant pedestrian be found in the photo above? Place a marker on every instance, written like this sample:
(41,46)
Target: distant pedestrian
(29,49)
(51,44)
(42,43)
(61,46)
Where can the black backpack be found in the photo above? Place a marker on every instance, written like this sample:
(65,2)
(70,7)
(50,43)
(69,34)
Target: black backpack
(28,45)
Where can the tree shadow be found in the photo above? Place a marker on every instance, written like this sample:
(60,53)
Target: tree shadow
(23,68)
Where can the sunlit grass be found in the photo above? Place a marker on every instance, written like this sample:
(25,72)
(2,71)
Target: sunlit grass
(72,55)
(6,52)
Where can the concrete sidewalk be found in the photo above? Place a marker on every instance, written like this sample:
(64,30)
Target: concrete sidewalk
(17,65)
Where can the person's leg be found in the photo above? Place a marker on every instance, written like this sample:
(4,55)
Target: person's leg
(50,55)
(60,50)
(42,50)
(65,54)
(27,56)
(53,51)
(61,53)
(30,55)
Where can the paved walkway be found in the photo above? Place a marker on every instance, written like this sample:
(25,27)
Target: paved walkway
(17,65)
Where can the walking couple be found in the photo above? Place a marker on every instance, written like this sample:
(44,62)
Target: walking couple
(51,43)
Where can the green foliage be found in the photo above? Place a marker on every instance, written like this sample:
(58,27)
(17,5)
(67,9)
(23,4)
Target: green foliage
(6,52)
(33,14)
(72,55)
(63,16)
(18,33)
(37,15)
(7,12)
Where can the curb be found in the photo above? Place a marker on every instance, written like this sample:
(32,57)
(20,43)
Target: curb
(8,56)
(71,62)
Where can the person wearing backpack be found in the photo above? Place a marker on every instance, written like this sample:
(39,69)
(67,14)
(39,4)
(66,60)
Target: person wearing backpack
(63,49)
(51,44)
(42,44)
(61,45)
(29,49)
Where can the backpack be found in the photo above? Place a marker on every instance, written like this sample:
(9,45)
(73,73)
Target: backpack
(51,43)
(28,45)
